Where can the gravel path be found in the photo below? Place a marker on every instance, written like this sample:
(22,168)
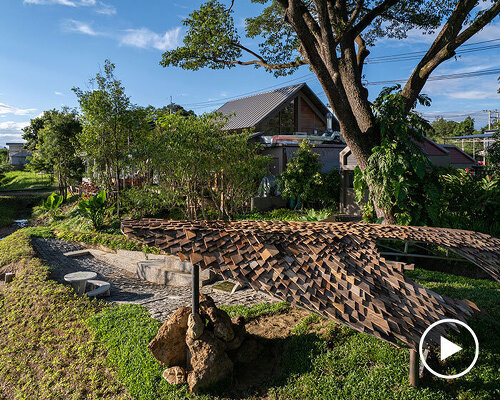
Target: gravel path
(160,300)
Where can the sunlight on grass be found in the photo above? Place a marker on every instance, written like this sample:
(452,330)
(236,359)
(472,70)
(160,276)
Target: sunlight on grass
(21,180)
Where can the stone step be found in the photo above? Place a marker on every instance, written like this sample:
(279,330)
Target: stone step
(98,288)
(78,253)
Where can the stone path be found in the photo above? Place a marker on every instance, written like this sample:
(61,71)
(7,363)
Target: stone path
(160,300)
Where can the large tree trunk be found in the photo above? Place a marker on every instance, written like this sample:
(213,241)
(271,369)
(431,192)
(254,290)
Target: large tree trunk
(117,177)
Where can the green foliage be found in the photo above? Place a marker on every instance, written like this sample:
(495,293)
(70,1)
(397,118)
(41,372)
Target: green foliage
(397,172)
(301,178)
(46,351)
(24,180)
(313,215)
(257,310)
(280,214)
(14,207)
(94,209)
(109,121)
(54,147)
(494,152)
(199,165)
(468,202)
(209,40)
(53,202)
(147,201)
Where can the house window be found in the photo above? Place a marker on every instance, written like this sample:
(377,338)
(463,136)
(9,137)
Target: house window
(283,122)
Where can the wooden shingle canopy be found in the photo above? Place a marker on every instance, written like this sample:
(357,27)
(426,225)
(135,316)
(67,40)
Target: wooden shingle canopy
(332,269)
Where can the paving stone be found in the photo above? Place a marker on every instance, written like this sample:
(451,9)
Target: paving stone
(160,300)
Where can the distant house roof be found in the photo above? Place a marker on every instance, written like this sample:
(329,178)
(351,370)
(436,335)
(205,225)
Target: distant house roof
(16,144)
(486,135)
(458,156)
(431,148)
(250,111)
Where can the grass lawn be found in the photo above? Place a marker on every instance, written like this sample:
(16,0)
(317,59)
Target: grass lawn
(24,180)
(46,350)
(54,345)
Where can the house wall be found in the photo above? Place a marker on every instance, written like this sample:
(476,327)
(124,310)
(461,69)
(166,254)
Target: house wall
(309,119)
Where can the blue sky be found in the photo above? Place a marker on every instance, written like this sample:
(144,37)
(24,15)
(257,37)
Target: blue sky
(49,46)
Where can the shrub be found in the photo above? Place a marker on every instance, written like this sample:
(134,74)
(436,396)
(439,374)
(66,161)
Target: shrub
(94,209)
(302,177)
(144,202)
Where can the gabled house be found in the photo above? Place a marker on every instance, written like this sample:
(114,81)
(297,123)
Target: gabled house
(281,118)
(18,154)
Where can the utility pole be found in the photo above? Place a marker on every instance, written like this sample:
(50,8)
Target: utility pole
(497,112)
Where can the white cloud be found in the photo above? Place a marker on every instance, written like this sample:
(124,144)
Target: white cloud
(106,9)
(7,109)
(474,94)
(58,93)
(11,126)
(73,25)
(145,38)
(70,3)
(10,131)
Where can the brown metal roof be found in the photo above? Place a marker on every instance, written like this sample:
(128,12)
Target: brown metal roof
(332,269)
(247,112)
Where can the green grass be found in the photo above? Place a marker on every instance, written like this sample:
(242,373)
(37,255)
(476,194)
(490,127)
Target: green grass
(24,180)
(126,331)
(258,310)
(46,350)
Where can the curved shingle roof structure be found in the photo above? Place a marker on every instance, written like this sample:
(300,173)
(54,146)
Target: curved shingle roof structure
(332,269)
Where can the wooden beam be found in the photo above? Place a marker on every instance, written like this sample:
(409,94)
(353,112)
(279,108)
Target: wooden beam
(414,372)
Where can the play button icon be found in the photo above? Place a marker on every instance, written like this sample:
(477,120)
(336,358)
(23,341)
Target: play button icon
(448,348)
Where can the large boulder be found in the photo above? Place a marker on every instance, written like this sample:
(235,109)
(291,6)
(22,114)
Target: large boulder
(169,345)
(207,362)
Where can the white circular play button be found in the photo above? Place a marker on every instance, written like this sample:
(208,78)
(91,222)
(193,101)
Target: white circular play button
(447,348)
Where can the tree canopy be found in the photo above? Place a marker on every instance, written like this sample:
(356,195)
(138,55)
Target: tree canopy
(333,38)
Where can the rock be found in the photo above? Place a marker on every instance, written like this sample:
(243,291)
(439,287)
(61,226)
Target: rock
(195,326)
(239,333)
(249,351)
(169,345)
(223,328)
(175,375)
(207,361)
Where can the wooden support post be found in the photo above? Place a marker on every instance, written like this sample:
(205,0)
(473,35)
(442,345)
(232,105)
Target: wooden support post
(196,289)
(414,371)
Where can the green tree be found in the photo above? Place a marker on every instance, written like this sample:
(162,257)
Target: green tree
(466,127)
(301,179)
(332,38)
(441,128)
(200,166)
(55,148)
(106,119)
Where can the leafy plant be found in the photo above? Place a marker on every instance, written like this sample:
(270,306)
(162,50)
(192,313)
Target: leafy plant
(52,203)
(397,174)
(94,209)
(301,178)
(313,215)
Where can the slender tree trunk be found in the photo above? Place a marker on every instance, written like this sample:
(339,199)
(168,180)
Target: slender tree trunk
(117,177)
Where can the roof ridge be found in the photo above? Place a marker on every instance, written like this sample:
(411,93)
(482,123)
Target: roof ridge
(269,91)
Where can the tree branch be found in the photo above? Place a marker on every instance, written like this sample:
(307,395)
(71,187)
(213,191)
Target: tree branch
(371,15)
(444,46)
(357,10)
(292,64)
